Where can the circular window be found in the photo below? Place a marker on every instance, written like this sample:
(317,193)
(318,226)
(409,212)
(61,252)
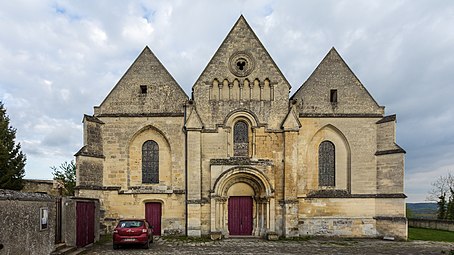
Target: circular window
(241,64)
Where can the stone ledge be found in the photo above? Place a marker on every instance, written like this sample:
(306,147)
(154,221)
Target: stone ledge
(340,115)
(345,194)
(241,161)
(84,152)
(390,218)
(197,201)
(387,152)
(387,119)
(92,119)
(157,114)
(23,196)
(95,187)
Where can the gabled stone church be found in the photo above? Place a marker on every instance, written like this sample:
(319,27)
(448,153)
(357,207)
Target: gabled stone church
(241,156)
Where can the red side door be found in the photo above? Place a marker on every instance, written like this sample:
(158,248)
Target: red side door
(85,223)
(240,215)
(153,212)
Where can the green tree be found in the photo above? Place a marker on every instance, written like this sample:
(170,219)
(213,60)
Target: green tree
(12,160)
(66,174)
(408,212)
(450,206)
(441,215)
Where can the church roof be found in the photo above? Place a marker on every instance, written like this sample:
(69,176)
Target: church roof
(146,87)
(333,73)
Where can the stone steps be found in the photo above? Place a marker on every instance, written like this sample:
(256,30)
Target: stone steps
(62,249)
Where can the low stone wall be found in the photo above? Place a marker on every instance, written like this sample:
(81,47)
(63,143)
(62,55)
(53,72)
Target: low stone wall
(40,186)
(377,227)
(447,225)
(27,223)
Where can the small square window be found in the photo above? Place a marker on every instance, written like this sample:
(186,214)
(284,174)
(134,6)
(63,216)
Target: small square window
(143,89)
(333,96)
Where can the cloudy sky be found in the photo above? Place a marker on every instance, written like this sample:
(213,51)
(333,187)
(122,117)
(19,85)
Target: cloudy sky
(58,59)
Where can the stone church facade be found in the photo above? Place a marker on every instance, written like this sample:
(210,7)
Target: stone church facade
(241,156)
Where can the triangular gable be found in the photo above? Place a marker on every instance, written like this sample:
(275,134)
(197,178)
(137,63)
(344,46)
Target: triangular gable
(146,88)
(291,122)
(242,38)
(241,74)
(193,121)
(333,74)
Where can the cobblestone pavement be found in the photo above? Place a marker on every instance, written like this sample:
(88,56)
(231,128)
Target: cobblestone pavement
(260,246)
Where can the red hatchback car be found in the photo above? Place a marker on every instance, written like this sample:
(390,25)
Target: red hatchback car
(132,231)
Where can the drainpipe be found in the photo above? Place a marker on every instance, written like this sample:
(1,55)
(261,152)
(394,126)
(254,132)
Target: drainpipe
(185,171)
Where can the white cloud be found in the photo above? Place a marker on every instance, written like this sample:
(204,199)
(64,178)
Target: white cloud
(60,58)
(137,30)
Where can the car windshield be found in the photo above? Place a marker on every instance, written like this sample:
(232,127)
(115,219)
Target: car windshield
(130,224)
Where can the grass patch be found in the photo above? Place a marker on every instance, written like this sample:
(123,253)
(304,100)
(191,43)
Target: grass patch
(103,239)
(430,235)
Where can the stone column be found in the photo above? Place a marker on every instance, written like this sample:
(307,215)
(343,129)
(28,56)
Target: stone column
(194,185)
(223,215)
(261,85)
(220,85)
(290,202)
(240,85)
(214,214)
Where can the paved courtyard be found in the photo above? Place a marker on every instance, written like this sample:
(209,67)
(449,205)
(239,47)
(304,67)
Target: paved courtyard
(259,246)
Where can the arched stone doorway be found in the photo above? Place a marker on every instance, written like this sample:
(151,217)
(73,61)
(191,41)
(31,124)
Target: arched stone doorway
(242,203)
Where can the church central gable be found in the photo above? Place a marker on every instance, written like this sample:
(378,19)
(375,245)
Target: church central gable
(241,75)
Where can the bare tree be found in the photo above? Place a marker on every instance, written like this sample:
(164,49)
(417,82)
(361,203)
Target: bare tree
(443,192)
(441,187)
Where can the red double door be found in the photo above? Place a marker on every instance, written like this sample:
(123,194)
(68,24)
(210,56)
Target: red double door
(85,223)
(240,216)
(153,212)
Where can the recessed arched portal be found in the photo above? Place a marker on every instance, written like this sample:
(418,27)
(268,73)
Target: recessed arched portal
(242,203)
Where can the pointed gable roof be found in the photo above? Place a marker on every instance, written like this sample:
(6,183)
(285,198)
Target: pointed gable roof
(162,95)
(334,74)
(291,122)
(193,121)
(242,38)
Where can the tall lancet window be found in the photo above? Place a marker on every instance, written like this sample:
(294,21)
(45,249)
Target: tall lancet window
(150,162)
(326,164)
(241,139)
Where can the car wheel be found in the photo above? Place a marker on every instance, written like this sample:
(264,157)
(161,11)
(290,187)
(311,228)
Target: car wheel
(115,246)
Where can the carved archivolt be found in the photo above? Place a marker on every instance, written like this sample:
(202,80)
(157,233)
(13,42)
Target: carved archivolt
(251,176)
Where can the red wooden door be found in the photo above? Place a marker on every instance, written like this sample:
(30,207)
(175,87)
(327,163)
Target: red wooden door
(240,215)
(153,213)
(85,223)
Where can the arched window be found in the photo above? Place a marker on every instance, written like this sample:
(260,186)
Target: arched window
(240,139)
(326,164)
(150,162)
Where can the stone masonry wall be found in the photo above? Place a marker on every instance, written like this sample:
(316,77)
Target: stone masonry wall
(121,152)
(20,221)
(355,141)
(116,206)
